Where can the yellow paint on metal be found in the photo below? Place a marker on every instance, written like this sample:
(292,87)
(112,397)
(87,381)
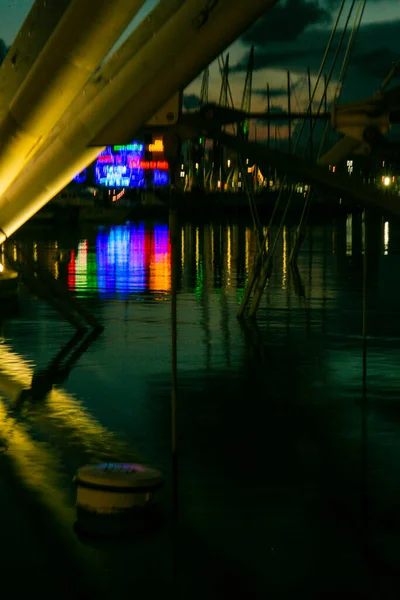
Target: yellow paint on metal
(182,47)
(84,35)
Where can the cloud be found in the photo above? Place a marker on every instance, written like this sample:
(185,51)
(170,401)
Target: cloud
(377,47)
(286,21)
(191,101)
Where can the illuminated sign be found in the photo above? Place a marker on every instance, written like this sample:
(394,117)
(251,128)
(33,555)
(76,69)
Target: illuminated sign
(157,146)
(119,166)
(160,177)
(135,147)
(161,165)
(81,177)
(124,167)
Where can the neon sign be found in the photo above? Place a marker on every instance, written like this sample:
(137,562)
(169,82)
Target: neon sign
(160,177)
(80,177)
(135,147)
(157,146)
(160,165)
(119,166)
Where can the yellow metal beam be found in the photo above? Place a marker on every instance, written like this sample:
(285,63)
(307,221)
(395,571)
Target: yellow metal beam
(30,41)
(192,37)
(85,34)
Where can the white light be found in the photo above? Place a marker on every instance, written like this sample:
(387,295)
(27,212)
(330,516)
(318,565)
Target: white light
(197,165)
(386,237)
(1,268)
(229,162)
(387,181)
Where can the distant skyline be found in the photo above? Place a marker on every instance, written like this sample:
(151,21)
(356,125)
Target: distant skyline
(293,36)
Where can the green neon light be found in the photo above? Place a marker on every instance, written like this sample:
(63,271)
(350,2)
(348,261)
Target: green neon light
(137,147)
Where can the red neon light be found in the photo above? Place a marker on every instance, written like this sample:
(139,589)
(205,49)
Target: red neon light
(162,165)
(108,158)
(134,163)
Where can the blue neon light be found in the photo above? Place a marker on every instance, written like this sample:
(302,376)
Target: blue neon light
(81,177)
(160,177)
(118,166)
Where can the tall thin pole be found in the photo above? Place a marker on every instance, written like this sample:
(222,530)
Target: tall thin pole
(173,233)
(310,113)
(289,114)
(325,94)
(364,405)
(269,117)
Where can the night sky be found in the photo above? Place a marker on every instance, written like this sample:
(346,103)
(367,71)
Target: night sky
(292,35)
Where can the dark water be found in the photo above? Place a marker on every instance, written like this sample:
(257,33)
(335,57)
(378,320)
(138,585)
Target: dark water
(288,466)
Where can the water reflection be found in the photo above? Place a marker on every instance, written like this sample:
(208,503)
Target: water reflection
(280,397)
(135,259)
(57,410)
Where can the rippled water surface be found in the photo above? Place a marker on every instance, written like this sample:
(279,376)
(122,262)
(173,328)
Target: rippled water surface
(288,476)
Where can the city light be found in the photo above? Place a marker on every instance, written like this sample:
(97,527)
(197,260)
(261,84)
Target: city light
(157,146)
(386,181)
(1,268)
(350,166)
(229,163)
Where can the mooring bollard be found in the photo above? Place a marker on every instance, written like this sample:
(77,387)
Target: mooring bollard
(114,497)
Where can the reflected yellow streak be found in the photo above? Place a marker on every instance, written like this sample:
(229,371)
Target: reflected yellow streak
(247,250)
(36,465)
(197,250)
(284,261)
(183,247)
(63,410)
(228,256)
(265,230)
(55,262)
(35,251)
(81,265)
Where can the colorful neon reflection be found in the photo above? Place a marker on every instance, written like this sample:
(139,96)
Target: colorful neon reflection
(127,259)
